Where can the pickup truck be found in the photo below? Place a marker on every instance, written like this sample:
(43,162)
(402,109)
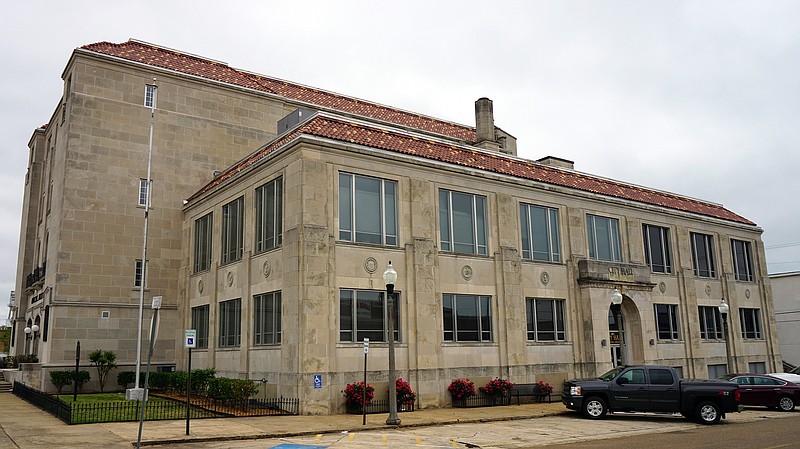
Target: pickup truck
(652,388)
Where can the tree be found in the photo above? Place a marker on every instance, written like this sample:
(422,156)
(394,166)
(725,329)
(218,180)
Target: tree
(104,361)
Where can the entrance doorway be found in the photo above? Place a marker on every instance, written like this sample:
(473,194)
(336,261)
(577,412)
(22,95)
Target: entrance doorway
(616,337)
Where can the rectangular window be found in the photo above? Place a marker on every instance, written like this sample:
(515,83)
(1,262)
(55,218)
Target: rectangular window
(269,215)
(742,260)
(757,368)
(603,238)
(540,238)
(717,371)
(137,276)
(232,227)
(202,243)
(363,314)
(462,222)
(144,191)
(230,323)
(545,319)
(710,323)
(703,255)
(150,95)
(667,321)
(200,324)
(267,323)
(656,248)
(467,317)
(367,210)
(751,323)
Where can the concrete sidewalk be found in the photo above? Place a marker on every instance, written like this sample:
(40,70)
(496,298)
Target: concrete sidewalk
(23,425)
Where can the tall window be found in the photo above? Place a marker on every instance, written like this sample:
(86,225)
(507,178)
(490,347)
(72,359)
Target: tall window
(667,321)
(742,260)
(545,319)
(363,314)
(656,248)
(144,191)
(540,239)
(703,255)
(230,323)
(232,227)
(367,209)
(150,95)
(716,371)
(751,323)
(462,222)
(269,215)
(467,317)
(710,323)
(139,273)
(200,324)
(603,238)
(202,243)
(267,325)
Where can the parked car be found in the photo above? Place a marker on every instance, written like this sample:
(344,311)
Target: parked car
(651,388)
(787,376)
(766,390)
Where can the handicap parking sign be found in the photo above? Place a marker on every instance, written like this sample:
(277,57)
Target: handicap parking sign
(317,381)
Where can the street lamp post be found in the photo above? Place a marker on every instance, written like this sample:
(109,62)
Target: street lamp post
(616,307)
(390,277)
(724,308)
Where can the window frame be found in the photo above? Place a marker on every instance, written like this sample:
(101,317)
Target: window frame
(349,308)
(742,266)
(479,223)
(613,235)
(708,270)
(139,270)
(483,319)
(267,329)
(200,321)
(672,325)
(557,320)
(664,249)
(750,319)
(144,193)
(203,242)
(232,236)
(349,210)
(264,215)
(230,323)
(552,237)
(716,334)
(150,93)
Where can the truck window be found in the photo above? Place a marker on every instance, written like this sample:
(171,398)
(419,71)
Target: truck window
(661,377)
(634,376)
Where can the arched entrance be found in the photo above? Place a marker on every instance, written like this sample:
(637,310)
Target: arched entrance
(624,325)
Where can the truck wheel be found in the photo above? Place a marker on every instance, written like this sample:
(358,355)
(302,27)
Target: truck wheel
(707,413)
(594,407)
(786,404)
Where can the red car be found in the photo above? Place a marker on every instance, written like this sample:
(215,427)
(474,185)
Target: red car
(767,391)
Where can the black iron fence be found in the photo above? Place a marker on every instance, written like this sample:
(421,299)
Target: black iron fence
(158,407)
(482,400)
(379,406)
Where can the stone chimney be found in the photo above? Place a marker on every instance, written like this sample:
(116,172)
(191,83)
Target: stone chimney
(487,136)
(554,161)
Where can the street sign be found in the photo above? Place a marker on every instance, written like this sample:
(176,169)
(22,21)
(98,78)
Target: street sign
(317,381)
(366,345)
(191,338)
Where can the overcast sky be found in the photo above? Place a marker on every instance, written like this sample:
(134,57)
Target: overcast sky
(700,98)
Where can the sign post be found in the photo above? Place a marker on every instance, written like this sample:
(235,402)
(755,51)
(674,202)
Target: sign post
(190,342)
(364,389)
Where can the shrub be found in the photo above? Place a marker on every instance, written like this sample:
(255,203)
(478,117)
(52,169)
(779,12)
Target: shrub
(125,378)
(497,387)
(157,380)
(200,379)
(405,395)
(461,389)
(233,389)
(81,378)
(543,387)
(354,394)
(61,378)
(104,361)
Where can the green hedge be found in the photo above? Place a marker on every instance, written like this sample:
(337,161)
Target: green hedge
(235,389)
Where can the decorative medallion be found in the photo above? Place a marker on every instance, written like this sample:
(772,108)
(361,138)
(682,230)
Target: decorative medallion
(747,293)
(230,278)
(662,286)
(200,286)
(708,290)
(267,269)
(371,265)
(544,277)
(466,272)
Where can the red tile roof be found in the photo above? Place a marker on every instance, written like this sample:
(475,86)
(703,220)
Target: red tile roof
(340,129)
(217,71)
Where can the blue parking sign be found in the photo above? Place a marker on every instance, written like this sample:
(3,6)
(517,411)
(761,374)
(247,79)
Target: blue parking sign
(317,381)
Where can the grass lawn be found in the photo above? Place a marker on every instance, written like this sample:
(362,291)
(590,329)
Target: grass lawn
(108,407)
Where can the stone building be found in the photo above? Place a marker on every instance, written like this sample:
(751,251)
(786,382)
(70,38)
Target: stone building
(786,291)
(278,206)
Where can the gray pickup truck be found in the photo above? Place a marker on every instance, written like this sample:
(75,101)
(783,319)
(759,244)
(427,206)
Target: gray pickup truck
(652,388)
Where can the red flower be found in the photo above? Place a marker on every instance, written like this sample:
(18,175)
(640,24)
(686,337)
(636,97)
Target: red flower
(461,389)
(497,387)
(353,394)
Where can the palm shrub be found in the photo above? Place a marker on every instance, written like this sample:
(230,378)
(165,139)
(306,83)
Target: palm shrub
(104,361)
(61,379)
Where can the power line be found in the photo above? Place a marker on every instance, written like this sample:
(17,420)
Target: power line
(782,245)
